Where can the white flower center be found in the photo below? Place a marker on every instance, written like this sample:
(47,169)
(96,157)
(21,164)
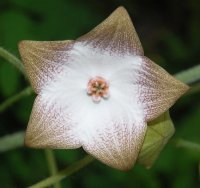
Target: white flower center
(98,88)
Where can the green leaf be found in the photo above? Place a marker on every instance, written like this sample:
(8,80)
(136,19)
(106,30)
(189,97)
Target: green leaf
(159,132)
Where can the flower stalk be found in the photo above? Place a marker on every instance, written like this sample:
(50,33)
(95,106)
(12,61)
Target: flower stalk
(187,145)
(52,164)
(12,141)
(189,76)
(64,173)
(10,101)
(12,59)
(88,159)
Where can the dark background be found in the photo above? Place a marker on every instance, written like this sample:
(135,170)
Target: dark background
(169,31)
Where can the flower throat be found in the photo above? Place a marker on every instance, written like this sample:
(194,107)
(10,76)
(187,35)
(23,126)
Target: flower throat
(98,88)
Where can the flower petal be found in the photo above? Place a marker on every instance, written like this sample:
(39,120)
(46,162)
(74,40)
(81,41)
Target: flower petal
(116,145)
(116,34)
(50,126)
(157,89)
(42,60)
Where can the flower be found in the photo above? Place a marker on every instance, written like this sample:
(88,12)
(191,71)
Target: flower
(97,92)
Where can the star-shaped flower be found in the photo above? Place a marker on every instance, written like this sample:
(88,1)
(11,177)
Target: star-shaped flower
(97,92)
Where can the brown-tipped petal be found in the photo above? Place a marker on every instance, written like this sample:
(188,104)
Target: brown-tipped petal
(158,90)
(116,145)
(43,60)
(115,34)
(50,126)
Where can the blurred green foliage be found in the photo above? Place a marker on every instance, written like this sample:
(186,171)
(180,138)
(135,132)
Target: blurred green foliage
(169,31)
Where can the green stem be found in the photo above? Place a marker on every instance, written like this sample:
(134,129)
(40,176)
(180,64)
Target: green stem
(26,92)
(189,76)
(64,173)
(11,141)
(52,164)
(194,89)
(12,59)
(187,144)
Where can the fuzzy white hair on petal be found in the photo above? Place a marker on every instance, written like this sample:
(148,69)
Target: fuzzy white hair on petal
(69,88)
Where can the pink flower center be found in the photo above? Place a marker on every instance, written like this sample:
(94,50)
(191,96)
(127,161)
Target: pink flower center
(98,88)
